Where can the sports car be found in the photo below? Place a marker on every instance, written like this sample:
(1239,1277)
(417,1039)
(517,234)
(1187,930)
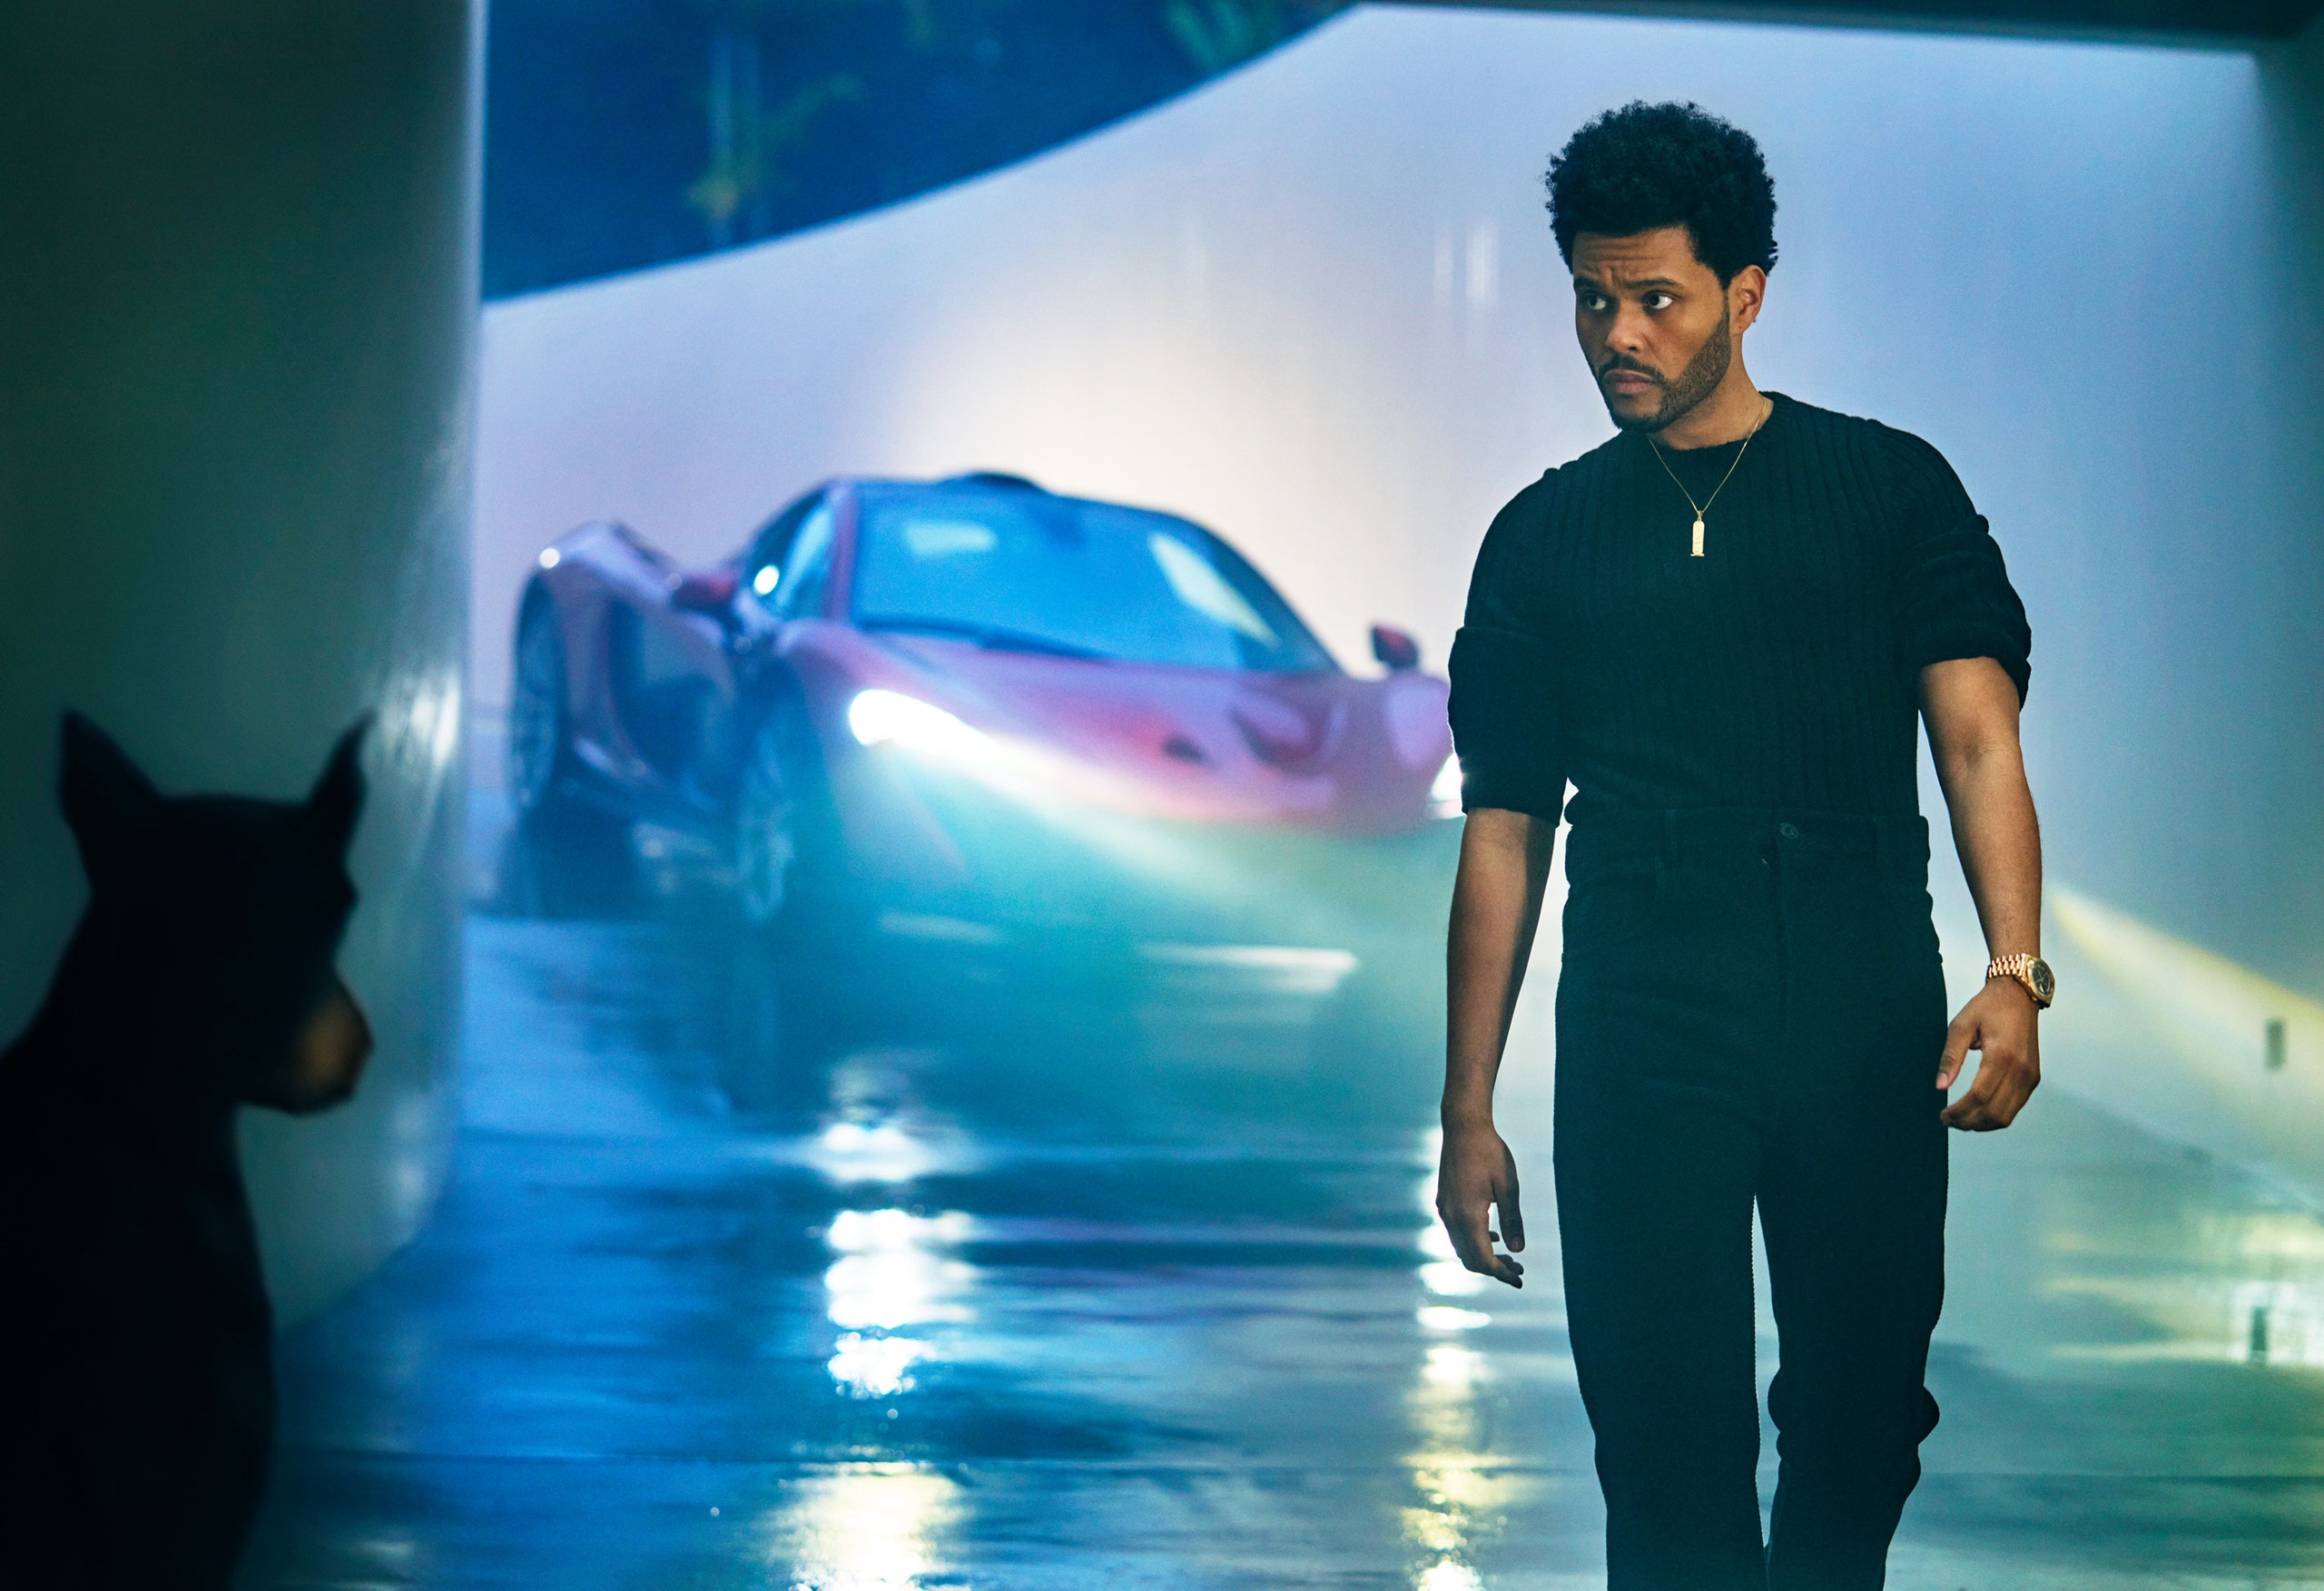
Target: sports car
(972,709)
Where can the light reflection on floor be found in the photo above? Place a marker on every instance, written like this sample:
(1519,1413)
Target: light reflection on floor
(863,1528)
(895,1271)
(1460,1494)
(1037,1319)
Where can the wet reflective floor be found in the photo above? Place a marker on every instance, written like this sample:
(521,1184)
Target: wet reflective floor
(1015,1294)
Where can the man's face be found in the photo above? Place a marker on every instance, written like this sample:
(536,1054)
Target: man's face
(1655,325)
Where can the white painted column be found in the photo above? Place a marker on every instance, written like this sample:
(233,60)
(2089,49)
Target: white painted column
(238,246)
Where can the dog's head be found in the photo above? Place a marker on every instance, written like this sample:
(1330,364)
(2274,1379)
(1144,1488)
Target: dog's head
(225,915)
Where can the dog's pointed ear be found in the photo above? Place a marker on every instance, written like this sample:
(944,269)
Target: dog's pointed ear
(101,790)
(337,799)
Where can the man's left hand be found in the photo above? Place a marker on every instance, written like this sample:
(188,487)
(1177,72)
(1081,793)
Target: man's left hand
(2001,1023)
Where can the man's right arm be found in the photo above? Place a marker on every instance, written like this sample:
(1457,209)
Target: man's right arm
(1496,905)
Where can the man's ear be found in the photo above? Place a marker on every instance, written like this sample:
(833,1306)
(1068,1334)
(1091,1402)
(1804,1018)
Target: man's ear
(337,799)
(101,790)
(1747,296)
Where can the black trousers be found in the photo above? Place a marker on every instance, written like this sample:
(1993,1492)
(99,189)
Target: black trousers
(1751,1010)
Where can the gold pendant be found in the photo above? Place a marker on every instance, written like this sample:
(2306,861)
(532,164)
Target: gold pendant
(1698,537)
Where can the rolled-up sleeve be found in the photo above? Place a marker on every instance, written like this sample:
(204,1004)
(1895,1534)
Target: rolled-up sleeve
(1506,725)
(1954,595)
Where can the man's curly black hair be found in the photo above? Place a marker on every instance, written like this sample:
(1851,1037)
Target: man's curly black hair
(1669,165)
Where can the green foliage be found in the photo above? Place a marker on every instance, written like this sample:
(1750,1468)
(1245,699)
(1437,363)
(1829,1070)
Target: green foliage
(750,165)
(749,138)
(1218,33)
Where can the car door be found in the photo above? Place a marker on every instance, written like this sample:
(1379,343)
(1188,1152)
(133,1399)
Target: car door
(782,577)
(669,673)
(769,555)
(697,667)
(794,582)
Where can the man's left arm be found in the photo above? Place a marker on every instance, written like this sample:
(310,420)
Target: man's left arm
(1971,706)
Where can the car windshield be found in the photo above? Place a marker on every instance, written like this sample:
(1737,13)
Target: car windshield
(1022,571)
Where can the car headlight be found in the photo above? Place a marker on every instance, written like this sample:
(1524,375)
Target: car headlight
(1444,795)
(891,718)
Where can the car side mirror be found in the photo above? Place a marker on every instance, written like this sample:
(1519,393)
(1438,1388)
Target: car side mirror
(1395,649)
(707,592)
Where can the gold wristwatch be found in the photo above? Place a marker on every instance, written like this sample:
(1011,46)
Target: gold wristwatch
(2030,971)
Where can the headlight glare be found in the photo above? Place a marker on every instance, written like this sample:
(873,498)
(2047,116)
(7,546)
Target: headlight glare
(891,718)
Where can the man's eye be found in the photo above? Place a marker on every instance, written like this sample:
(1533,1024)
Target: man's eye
(1593,302)
(1658,300)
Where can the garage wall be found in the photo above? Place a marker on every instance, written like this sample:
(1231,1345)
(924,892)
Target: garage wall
(238,238)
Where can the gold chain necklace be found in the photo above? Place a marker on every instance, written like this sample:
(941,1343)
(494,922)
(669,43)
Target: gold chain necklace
(1703,507)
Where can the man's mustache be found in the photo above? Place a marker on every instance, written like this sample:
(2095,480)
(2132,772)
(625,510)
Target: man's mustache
(1627,366)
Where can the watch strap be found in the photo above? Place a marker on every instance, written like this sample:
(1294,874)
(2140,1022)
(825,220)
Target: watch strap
(2019,969)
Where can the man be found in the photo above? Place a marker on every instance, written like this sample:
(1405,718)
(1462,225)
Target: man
(1721,626)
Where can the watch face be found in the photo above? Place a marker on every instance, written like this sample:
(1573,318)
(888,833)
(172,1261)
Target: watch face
(2044,985)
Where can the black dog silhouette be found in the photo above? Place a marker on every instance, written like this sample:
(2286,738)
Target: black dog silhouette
(137,1386)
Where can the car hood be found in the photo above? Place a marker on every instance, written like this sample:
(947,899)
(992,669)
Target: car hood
(1317,750)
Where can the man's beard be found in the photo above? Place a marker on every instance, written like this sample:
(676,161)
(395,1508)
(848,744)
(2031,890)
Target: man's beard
(1698,381)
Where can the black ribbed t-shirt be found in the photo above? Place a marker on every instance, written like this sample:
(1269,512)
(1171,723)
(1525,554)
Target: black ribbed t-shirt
(1779,670)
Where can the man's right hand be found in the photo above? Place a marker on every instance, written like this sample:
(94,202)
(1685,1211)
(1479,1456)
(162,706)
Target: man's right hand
(1475,1173)
(1496,904)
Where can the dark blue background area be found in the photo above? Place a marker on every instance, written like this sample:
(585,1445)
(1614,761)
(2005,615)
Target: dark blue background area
(600,109)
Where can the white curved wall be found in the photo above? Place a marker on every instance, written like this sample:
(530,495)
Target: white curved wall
(1316,305)
(236,349)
